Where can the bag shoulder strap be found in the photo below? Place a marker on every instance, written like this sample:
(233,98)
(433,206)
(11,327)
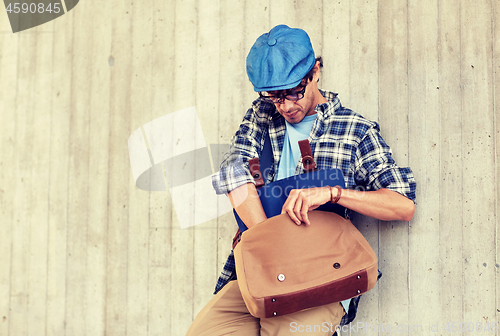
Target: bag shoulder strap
(261,166)
(253,165)
(307,157)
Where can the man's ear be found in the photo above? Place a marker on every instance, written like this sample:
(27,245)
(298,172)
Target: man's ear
(316,71)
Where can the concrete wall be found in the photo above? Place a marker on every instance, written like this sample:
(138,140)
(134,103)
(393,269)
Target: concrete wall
(83,251)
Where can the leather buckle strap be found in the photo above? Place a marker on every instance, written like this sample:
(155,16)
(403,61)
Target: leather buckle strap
(253,165)
(307,157)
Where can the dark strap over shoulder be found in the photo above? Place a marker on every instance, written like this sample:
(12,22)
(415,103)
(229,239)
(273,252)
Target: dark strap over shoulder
(266,158)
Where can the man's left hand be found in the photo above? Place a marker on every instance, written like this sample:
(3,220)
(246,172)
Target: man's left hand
(301,201)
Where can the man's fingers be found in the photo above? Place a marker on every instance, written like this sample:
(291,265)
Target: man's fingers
(303,212)
(298,207)
(292,216)
(291,204)
(304,207)
(301,207)
(300,202)
(286,205)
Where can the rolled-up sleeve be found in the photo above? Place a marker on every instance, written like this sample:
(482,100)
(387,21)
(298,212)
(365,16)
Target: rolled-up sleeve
(376,169)
(245,145)
(231,176)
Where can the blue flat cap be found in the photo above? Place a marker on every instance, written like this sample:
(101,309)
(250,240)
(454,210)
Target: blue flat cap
(279,60)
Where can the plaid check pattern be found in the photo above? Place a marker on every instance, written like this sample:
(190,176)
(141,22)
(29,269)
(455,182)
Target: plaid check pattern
(339,138)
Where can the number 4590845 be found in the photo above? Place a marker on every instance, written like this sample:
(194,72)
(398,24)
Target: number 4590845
(33,8)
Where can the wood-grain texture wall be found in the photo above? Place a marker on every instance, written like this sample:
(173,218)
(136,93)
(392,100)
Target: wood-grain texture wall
(83,251)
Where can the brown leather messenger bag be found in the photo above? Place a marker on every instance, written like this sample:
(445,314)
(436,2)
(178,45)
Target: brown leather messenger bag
(283,268)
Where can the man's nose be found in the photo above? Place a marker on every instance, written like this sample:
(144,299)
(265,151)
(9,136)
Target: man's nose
(286,105)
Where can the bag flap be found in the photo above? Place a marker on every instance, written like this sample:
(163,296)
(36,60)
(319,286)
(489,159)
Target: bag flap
(281,257)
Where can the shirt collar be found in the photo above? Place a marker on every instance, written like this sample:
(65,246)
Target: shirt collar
(328,109)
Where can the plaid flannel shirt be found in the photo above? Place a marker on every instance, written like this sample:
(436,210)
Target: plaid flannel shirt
(339,138)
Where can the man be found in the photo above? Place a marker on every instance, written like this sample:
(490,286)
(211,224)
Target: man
(284,71)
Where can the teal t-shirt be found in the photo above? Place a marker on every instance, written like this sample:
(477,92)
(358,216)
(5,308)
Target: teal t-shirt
(291,155)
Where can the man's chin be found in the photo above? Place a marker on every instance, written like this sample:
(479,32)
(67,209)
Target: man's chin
(294,118)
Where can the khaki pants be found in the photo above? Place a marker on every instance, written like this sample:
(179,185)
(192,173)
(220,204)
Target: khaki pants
(226,314)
